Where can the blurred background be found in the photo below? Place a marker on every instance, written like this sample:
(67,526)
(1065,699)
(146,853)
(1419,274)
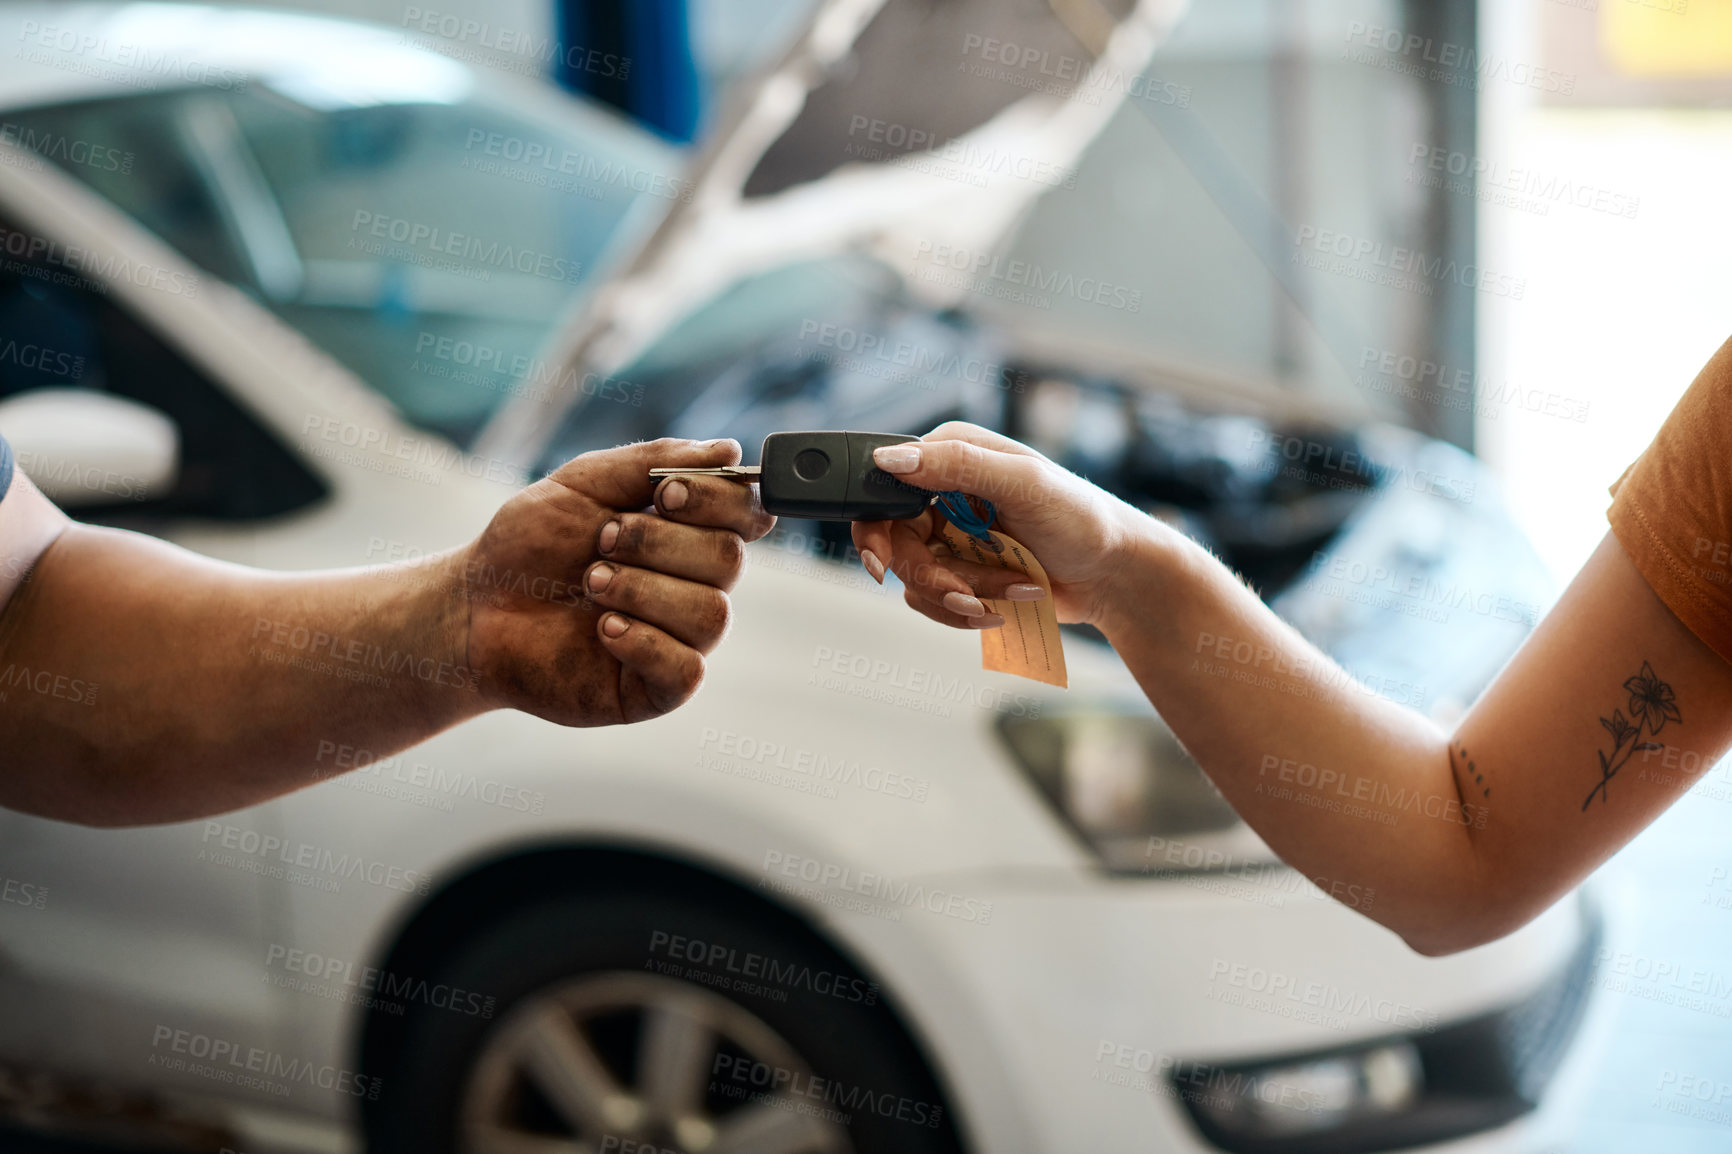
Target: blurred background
(1373,297)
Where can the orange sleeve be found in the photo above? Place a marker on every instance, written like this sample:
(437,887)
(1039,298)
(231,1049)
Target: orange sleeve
(1672,509)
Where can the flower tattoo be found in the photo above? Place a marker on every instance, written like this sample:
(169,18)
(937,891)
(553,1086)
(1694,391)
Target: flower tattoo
(1652,705)
(1651,700)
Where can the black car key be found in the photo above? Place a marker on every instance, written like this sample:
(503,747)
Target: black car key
(824,476)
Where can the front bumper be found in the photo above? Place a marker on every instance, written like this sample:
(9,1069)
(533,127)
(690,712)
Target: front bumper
(1091,995)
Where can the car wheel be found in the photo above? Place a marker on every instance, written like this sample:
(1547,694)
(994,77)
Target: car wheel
(622,1024)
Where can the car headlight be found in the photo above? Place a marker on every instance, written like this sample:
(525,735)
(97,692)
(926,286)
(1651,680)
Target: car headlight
(1306,1097)
(1393,1093)
(1125,785)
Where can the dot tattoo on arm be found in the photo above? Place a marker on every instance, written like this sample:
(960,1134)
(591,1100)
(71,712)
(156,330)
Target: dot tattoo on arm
(1468,775)
(1652,704)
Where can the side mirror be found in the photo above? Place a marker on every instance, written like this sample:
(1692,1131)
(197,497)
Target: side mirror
(82,447)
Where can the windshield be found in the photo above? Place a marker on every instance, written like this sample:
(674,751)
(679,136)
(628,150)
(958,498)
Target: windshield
(430,241)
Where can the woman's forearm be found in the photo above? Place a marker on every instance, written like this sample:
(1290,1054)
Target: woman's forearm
(1607,713)
(1347,787)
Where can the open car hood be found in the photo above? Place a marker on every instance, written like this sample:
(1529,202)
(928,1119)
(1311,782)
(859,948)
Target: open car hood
(831,149)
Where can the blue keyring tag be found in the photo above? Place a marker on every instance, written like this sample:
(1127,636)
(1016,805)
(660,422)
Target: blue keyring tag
(959,511)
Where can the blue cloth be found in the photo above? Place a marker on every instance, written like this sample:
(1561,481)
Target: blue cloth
(635,55)
(5,467)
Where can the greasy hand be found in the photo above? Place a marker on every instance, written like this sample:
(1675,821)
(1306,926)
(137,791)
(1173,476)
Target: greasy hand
(588,608)
(1076,530)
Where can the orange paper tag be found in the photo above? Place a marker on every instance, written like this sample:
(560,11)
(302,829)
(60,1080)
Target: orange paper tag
(1028,644)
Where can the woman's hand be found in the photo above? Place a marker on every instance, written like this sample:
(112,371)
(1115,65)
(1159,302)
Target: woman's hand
(1079,532)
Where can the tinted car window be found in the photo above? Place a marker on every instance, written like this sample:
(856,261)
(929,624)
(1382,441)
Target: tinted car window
(430,245)
(60,329)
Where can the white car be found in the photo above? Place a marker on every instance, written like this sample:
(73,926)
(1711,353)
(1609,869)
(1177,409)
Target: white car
(302,293)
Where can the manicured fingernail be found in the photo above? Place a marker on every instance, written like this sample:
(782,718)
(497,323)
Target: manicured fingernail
(615,625)
(897,458)
(990,621)
(873,565)
(964,604)
(599,577)
(609,535)
(674,495)
(1024,593)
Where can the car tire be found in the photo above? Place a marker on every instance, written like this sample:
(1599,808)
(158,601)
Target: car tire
(718,1025)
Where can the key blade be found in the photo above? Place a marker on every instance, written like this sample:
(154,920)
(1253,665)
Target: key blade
(735,472)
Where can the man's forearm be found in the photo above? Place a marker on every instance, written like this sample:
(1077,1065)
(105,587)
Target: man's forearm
(163,686)
(1342,784)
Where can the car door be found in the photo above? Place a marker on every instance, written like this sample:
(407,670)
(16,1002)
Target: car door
(117,945)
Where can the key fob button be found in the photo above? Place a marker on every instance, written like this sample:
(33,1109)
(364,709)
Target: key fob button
(811,464)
